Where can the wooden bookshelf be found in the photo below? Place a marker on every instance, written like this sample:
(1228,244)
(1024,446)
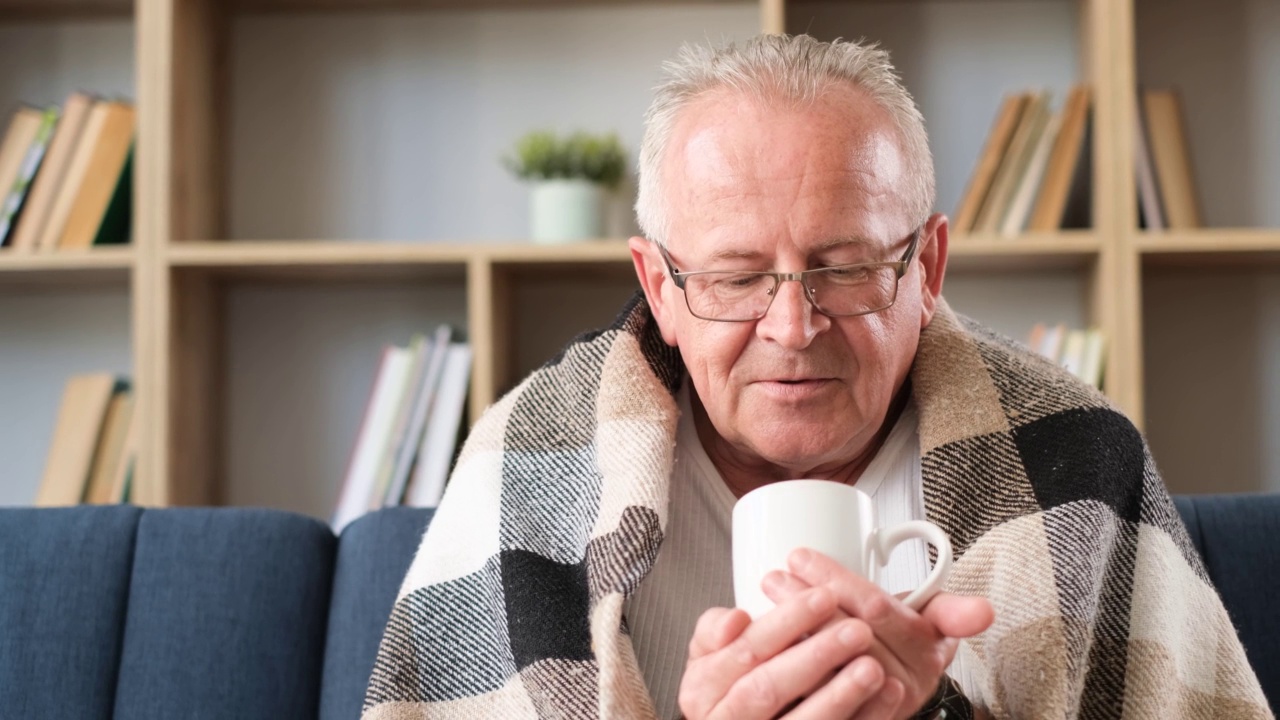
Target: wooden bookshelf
(1211,247)
(109,266)
(186,261)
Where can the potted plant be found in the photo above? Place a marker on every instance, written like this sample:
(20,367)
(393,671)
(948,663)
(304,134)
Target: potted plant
(570,177)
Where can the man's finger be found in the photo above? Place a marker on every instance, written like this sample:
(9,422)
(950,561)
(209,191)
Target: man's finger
(851,689)
(959,616)
(886,704)
(708,679)
(716,628)
(795,673)
(913,647)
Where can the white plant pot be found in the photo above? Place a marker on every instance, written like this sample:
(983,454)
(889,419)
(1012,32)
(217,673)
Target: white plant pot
(562,211)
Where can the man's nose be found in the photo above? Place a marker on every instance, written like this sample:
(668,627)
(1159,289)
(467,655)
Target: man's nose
(792,321)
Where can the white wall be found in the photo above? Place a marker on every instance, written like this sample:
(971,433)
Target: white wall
(392,126)
(49,335)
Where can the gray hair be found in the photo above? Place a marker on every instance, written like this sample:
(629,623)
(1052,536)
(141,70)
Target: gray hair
(792,69)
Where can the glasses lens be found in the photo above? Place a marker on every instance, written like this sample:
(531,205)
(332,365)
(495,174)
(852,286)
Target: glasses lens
(728,295)
(853,290)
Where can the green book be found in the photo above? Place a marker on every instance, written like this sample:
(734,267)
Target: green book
(12,201)
(117,220)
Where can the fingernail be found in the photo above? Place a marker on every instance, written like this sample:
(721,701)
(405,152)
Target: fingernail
(865,674)
(849,636)
(772,579)
(800,559)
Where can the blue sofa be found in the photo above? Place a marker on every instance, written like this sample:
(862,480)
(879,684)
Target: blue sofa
(244,613)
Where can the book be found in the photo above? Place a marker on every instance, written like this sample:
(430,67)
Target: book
(107,164)
(117,219)
(989,160)
(440,442)
(11,204)
(76,434)
(122,476)
(1150,211)
(24,126)
(69,188)
(1065,162)
(373,436)
(1172,159)
(419,353)
(1093,358)
(110,453)
(1024,194)
(408,451)
(1016,157)
(53,170)
(1051,342)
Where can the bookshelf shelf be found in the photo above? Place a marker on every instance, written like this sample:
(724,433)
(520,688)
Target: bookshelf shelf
(27,10)
(1069,249)
(98,266)
(1211,246)
(375,5)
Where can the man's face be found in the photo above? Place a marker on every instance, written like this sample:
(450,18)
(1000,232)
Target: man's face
(754,187)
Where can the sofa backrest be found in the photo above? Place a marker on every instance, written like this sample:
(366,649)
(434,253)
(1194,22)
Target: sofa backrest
(373,557)
(119,612)
(245,613)
(1238,537)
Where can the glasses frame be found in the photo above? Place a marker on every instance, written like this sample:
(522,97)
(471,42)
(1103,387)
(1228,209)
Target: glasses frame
(899,266)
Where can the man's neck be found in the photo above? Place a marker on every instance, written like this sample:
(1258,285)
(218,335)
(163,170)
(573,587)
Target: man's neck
(743,472)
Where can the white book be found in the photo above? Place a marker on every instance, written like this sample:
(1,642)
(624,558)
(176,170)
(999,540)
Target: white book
(1073,352)
(1091,367)
(438,443)
(1051,344)
(374,434)
(426,392)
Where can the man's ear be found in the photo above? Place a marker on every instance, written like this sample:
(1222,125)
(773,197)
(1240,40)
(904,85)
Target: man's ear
(654,281)
(933,265)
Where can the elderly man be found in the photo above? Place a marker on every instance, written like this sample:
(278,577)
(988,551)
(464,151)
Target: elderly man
(792,326)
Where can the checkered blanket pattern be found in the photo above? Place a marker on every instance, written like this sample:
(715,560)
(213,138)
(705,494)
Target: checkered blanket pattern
(512,607)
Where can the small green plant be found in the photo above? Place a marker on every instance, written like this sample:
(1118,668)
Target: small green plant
(541,155)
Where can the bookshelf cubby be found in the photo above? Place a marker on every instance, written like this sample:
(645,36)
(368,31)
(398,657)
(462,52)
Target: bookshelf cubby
(318,177)
(1206,354)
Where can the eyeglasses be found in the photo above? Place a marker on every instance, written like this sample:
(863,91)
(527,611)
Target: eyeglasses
(836,291)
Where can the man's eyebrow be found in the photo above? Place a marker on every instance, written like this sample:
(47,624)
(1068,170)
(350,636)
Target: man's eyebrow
(835,243)
(734,254)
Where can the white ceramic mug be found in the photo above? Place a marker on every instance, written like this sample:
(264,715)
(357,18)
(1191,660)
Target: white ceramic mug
(833,518)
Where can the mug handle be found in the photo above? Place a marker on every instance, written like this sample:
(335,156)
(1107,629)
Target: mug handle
(887,540)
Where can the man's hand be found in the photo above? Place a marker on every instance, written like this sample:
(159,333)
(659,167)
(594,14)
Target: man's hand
(912,648)
(798,657)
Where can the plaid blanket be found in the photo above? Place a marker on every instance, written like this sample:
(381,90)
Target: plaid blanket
(512,607)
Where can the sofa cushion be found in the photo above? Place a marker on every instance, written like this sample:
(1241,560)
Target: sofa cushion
(227,615)
(1236,536)
(64,585)
(374,554)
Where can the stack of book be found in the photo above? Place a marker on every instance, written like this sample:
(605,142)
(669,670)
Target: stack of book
(409,435)
(95,443)
(66,175)
(1033,168)
(1079,351)
(1166,184)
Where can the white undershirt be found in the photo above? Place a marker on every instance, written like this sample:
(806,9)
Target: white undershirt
(693,571)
